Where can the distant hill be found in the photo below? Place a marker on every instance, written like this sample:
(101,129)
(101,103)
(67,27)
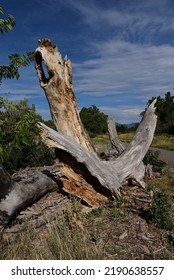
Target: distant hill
(128,125)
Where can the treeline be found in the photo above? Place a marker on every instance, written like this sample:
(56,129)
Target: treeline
(95,121)
(165,113)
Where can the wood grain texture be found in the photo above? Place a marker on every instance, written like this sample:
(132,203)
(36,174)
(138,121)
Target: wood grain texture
(58,88)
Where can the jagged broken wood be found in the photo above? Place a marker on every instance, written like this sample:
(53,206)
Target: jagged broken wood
(91,172)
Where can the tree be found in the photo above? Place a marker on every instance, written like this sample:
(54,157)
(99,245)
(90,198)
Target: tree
(16,61)
(93,120)
(6,24)
(165,113)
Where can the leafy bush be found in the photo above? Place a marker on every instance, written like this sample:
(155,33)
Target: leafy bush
(160,211)
(20,144)
(152,158)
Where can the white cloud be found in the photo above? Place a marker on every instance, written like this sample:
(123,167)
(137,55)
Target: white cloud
(123,114)
(45,113)
(121,67)
(140,18)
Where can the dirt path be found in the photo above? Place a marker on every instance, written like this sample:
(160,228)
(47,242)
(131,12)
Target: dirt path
(167,156)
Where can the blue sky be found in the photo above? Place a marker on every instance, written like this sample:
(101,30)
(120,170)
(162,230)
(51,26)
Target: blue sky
(122,51)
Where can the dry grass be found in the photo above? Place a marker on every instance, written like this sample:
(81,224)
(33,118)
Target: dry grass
(101,143)
(63,239)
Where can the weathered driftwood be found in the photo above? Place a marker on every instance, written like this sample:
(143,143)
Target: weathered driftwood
(59,91)
(23,192)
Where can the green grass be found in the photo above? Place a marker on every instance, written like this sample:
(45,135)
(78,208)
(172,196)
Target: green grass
(161,141)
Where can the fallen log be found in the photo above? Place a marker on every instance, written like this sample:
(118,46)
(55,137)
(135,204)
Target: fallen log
(86,171)
(23,192)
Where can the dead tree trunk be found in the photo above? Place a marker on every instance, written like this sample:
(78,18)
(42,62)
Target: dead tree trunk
(138,172)
(129,163)
(59,91)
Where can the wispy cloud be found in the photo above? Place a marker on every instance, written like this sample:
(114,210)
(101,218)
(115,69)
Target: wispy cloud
(133,18)
(123,114)
(121,67)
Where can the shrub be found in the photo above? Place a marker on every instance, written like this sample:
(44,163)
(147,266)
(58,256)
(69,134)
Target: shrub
(20,143)
(152,158)
(160,211)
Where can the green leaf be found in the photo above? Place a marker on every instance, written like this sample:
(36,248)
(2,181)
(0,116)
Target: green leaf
(26,141)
